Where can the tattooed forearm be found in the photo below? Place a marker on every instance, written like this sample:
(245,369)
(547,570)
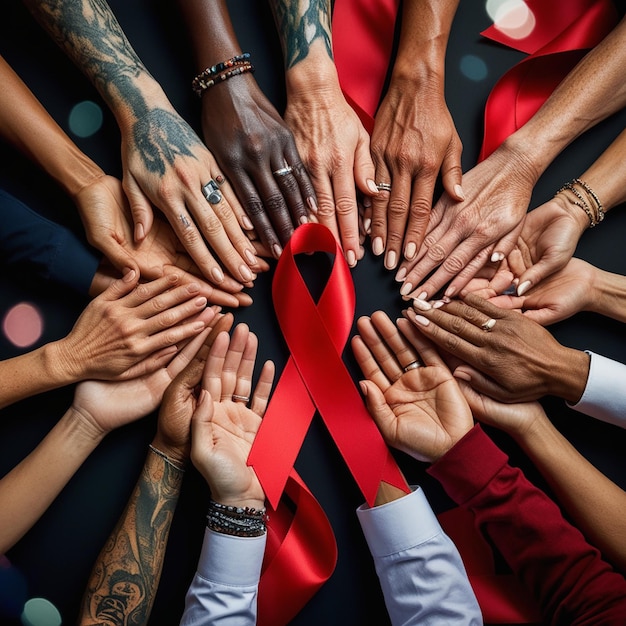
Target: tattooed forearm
(125,577)
(300,23)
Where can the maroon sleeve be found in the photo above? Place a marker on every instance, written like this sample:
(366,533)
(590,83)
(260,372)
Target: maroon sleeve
(571,582)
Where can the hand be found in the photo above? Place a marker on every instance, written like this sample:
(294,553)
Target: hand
(490,283)
(251,141)
(463,236)
(412,141)
(514,419)
(421,411)
(166,165)
(517,360)
(223,427)
(105,214)
(547,242)
(129,322)
(104,406)
(335,150)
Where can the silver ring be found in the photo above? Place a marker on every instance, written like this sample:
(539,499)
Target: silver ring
(383,186)
(238,398)
(488,325)
(283,171)
(211,192)
(412,366)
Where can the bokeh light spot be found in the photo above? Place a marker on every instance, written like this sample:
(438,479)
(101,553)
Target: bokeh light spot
(40,612)
(512,17)
(473,67)
(23,325)
(85,119)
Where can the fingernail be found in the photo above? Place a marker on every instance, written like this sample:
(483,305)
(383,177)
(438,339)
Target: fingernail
(390,260)
(312,204)
(304,220)
(249,256)
(277,250)
(371,185)
(193,287)
(438,304)
(458,190)
(496,257)
(421,320)
(247,224)
(198,326)
(367,225)
(245,272)
(140,232)
(423,305)
(363,387)
(200,301)
(217,274)
(450,291)
(410,250)
(400,275)
(377,246)
(523,288)
(463,376)
(406,289)
(129,276)
(351,258)
(422,296)
(202,398)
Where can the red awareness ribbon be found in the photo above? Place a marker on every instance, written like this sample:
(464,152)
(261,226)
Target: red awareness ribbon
(362,44)
(563,33)
(301,552)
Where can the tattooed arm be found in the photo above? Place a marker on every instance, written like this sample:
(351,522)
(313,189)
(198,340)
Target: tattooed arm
(330,137)
(165,163)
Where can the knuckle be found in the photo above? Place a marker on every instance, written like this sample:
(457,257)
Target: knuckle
(436,253)
(397,209)
(344,206)
(453,264)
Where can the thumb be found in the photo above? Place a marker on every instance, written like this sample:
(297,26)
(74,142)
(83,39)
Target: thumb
(534,275)
(377,405)
(364,171)
(121,286)
(478,381)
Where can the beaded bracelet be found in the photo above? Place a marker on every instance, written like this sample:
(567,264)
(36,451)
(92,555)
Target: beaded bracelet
(208,77)
(593,219)
(589,190)
(166,458)
(237,521)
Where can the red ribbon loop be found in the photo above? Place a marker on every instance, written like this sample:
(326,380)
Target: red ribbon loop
(316,376)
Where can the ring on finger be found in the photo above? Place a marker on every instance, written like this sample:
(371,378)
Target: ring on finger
(383,186)
(212,192)
(413,365)
(283,171)
(237,398)
(488,325)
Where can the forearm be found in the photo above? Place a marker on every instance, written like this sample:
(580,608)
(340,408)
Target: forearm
(595,503)
(609,295)
(133,555)
(26,124)
(29,489)
(592,91)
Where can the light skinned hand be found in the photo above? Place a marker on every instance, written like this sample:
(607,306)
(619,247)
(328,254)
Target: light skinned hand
(516,361)
(224,427)
(411,143)
(463,236)
(335,149)
(421,412)
(129,322)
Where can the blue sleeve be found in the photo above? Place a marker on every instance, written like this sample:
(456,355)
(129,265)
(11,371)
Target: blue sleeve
(51,251)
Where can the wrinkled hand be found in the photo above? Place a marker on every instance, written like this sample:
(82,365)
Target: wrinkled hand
(463,236)
(173,436)
(166,165)
(421,412)
(516,361)
(105,406)
(413,140)
(129,322)
(335,150)
(251,141)
(223,427)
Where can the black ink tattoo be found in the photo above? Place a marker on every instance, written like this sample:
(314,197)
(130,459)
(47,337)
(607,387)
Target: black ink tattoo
(299,24)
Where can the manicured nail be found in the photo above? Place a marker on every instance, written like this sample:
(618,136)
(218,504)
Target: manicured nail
(422,296)
(400,275)
(407,288)
(351,258)
(304,220)
(410,250)
(245,272)
(523,288)
(458,190)
(450,291)
(140,232)
(421,320)
(312,204)
(496,257)
(363,387)
(198,326)
(129,276)
(377,246)
(200,301)
(247,224)
(367,225)
(438,304)
(422,305)
(218,275)
(249,256)
(390,260)
(371,185)
(277,250)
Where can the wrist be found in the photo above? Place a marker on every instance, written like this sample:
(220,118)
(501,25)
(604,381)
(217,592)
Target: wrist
(58,364)
(310,78)
(178,456)
(81,428)
(570,372)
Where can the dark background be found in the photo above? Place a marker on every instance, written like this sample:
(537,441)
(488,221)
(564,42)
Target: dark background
(57,554)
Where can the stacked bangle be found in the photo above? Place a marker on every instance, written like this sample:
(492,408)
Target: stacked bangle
(237,521)
(166,458)
(219,72)
(591,205)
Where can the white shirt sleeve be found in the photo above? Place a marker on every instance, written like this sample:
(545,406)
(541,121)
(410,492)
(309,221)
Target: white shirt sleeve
(420,570)
(605,393)
(224,589)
